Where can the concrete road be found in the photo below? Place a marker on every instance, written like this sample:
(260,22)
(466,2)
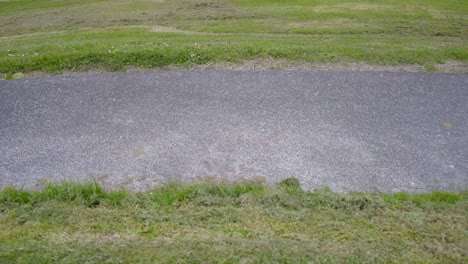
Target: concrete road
(351,131)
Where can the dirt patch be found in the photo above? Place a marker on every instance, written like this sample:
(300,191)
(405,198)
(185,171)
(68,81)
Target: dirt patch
(353,7)
(163,29)
(330,23)
(452,67)
(280,64)
(209,9)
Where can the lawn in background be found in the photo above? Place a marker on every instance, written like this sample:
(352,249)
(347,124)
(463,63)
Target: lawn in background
(53,35)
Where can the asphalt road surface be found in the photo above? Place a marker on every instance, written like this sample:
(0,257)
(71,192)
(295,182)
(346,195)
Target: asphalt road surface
(350,131)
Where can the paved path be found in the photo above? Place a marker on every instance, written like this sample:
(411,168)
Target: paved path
(351,131)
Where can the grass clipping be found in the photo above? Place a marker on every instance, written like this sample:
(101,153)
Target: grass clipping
(248,222)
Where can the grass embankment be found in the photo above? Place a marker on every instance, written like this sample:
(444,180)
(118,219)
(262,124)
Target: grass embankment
(229,223)
(53,35)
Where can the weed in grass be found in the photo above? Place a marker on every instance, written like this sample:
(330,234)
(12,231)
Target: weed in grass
(9,76)
(292,183)
(15,196)
(18,75)
(169,194)
(430,68)
(89,194)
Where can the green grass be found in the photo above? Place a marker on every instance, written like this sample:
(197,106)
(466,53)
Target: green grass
(53,36)
(230,223)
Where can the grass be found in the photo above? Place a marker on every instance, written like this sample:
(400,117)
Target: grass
(54,36)
(227,223)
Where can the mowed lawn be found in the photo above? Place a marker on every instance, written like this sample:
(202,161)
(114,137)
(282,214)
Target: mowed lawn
(55,35)
(230,223)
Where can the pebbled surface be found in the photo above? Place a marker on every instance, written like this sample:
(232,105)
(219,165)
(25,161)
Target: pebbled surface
(351,131)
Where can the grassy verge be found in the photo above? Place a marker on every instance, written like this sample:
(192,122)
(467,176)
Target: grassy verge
(249,223)
(53,36)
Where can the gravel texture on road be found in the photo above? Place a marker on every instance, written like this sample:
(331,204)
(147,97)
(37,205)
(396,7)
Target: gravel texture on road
(351,131)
